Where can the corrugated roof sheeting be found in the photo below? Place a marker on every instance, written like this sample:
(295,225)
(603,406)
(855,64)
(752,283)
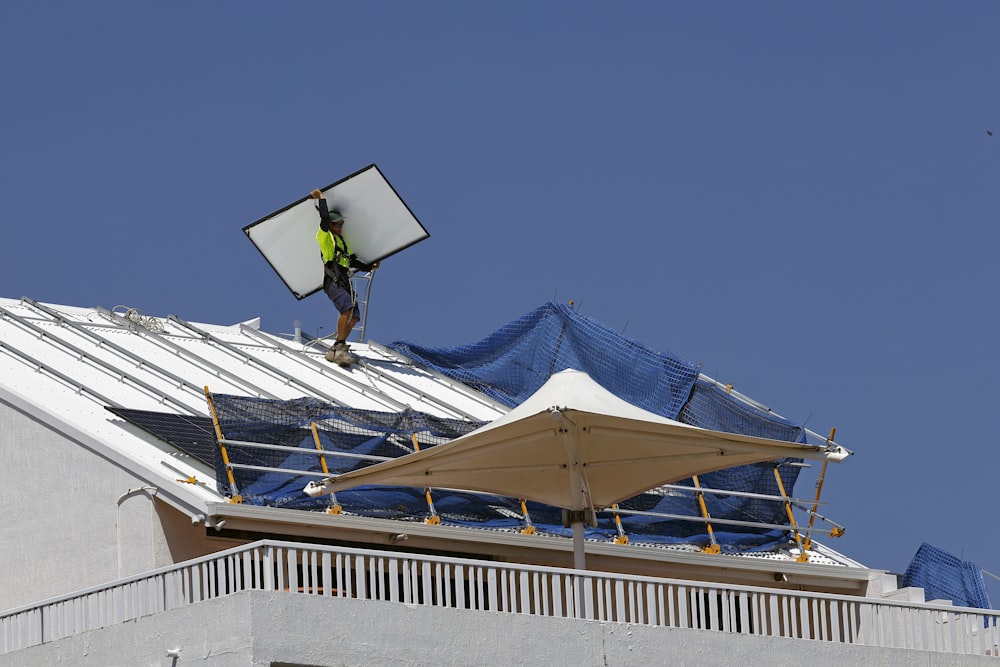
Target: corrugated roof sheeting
(65,365)
(72,362)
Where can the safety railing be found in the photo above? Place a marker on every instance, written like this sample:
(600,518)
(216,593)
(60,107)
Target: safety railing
(506,588)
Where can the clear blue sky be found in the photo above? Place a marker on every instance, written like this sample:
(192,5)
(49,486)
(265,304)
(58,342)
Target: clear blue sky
(801,196)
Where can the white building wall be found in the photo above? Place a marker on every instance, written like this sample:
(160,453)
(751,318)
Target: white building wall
(260,628)
(69,518)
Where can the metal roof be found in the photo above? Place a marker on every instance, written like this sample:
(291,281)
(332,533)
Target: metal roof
(66,365)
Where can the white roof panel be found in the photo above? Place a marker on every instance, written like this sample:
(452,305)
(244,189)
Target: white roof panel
(67,363)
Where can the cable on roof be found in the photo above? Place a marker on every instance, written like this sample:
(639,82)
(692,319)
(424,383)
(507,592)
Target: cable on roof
(137,317)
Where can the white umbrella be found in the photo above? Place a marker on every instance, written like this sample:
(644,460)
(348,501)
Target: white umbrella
(575,445)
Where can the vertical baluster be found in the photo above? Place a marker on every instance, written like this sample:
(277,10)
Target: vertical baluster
(614,593)
(526,593)
(589,591)
(802,619)
(251,570)
(556,594)
(441,587)
(292,560)
(448,584)
(279,569)
(834,620)
(698,602)
(159,595)
(730,620)
(684,615)
(662,598)
(459,579)
(315,570)
(907,635)
(388,579)
(374,584)
(500,580)
(397,569)
(493,586)
(326,574)
(360,579)
(714,610)
(788,606)
(967,630)
(380,589)
(631,592)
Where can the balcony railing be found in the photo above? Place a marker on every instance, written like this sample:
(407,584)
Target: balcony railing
(506,588)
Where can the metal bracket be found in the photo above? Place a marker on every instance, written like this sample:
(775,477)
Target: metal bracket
(587,517)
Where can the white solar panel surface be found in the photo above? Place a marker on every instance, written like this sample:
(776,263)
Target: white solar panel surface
(378,224)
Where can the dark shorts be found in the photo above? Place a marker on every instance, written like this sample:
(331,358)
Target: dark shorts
(342,299)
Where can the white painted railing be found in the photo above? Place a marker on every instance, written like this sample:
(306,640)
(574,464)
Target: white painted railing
(508,588)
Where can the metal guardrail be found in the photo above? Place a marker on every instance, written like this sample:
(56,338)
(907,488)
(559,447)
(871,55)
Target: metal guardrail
(507,588)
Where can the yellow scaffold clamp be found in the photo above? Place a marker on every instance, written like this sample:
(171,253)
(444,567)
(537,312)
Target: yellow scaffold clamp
(622,536)
(528,528)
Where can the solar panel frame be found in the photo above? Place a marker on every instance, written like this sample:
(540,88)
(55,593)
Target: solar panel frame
(378,224)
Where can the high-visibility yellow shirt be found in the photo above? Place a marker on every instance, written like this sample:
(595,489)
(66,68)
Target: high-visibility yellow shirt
(334,248)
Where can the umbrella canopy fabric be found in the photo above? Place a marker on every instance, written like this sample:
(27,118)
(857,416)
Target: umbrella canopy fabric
(575,445)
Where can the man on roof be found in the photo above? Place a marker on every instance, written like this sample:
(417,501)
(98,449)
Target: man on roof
(339,262)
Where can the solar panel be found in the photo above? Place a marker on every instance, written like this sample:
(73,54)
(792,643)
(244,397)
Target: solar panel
(378,224)
(191,435)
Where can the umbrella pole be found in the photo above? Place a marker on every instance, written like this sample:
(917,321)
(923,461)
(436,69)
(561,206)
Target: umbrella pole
(579,557)
(579,563)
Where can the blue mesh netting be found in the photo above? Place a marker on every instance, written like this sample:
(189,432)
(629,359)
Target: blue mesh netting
(515,361)
(947,577)
(510,365)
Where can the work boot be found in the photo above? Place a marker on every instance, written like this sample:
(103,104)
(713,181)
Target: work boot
(342,355)
(331,354)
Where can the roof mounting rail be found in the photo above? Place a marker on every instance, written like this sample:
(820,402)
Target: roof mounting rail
(104,342)
(163,341)
(41,366)
(251,359)
(370,369)
(65,345)
(362,388)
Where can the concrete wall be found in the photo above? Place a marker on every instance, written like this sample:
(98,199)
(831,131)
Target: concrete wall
(72,519)
(264,628)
